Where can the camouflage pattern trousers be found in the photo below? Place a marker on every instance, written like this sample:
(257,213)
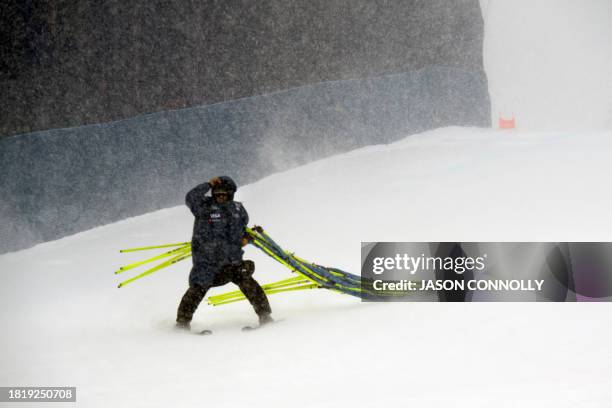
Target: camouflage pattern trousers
(241,275)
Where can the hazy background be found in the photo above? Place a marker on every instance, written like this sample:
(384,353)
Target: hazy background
(312,80)
(549,62)
(193,89)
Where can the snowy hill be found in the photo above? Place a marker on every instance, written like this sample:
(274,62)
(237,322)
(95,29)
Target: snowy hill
(65,323)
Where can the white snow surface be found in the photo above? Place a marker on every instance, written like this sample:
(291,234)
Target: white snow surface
(64,322)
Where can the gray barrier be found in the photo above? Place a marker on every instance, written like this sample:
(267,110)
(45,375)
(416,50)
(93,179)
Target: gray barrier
(58,182)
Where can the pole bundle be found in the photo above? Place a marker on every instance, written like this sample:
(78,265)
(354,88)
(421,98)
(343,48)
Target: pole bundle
(310,275)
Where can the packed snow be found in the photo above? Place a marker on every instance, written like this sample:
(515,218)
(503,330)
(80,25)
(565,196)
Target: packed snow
(65,323)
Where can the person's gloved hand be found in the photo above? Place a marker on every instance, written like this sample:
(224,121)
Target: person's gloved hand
(214,182)
(257,228)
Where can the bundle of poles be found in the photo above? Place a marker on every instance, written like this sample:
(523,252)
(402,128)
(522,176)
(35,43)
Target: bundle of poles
(309,274)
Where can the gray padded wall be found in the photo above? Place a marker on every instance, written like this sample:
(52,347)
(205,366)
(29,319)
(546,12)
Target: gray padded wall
(58,182)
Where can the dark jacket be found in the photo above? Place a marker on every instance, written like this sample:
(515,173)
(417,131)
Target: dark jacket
(217,234)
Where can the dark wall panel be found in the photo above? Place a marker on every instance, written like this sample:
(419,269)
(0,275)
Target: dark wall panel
(69,63)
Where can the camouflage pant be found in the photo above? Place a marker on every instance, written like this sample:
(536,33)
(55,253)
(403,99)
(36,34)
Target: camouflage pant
(241,275)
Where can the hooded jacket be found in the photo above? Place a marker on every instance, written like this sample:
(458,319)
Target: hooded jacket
(217,234)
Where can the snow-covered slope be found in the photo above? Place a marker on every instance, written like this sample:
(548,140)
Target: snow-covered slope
(64,322)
